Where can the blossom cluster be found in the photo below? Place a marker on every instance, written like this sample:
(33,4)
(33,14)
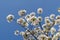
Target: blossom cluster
(40,32)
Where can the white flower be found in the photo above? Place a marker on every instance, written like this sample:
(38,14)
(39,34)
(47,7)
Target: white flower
(48,38)
(10,18)
(35,23)
(22,33)
(40,18)
(38,30)
(56,36)
(44,26)
(28,33)
(25,35)
(53,30)
(58,17)
(53,23)
(57,21)
(20,20)
(49,24)
(16,32)
(58,9)
(52,16)
(34,18)
(32,14)
(27,17)
(39,10)
(42,37)
(21,12)
(47,20)
(25,24)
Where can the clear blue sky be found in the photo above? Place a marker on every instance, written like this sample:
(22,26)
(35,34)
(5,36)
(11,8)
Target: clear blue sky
(13,6)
